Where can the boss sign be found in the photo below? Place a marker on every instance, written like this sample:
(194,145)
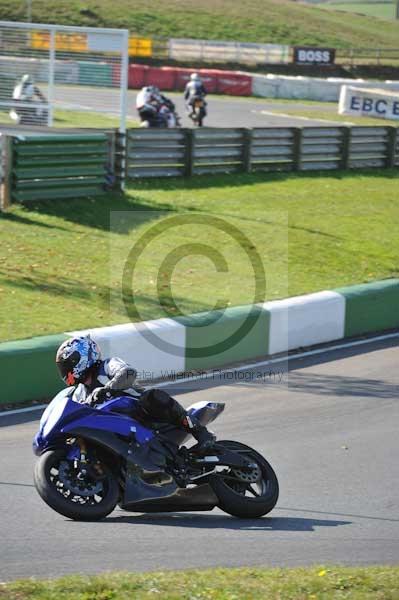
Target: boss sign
(313,56)
(383,104)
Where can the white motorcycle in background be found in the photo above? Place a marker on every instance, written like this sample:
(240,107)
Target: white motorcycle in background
(30,107)
(156,110)
(168,111)
(165,117)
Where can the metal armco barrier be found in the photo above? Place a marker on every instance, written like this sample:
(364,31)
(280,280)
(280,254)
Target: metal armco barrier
(71,165)
(57,166)
(156,153)
(186,152)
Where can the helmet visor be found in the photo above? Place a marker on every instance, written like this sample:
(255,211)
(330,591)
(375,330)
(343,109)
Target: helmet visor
(66,368)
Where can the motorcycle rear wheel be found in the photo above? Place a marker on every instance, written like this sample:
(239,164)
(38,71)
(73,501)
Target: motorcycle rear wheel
(57,494)
(232,494)
(200,117)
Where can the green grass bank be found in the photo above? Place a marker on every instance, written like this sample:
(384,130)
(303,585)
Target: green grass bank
(314,583)
(70,118)
(61,261)
(382,10)
(277,21)
(328,115)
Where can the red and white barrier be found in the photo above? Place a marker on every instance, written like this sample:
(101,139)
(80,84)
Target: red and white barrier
(175,78)
(310,88)
(234,84)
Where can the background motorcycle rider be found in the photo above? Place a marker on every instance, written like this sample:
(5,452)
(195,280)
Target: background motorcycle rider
(153,106)
(147,103)
(79,361)
(27,92)
(194,89)
(168,111)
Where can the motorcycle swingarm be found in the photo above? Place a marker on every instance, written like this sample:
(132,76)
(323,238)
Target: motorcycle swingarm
(224,458)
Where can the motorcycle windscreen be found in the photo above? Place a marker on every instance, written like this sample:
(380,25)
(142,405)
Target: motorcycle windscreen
(58,408)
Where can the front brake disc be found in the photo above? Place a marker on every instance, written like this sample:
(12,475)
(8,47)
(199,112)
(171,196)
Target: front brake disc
(251,475)
(68,477)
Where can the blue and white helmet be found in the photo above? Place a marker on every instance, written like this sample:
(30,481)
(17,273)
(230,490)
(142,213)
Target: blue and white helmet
(75,357)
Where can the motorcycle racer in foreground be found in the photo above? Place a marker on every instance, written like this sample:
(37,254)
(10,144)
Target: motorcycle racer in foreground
(79,362)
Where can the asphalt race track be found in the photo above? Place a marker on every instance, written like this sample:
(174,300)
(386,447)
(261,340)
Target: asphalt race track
(247,112)
(329,427)
(223,111)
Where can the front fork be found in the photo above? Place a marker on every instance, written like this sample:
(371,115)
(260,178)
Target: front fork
(81,464)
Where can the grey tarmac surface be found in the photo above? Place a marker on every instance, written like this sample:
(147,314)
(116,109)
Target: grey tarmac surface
(330,429)
(236,112)
(223,111)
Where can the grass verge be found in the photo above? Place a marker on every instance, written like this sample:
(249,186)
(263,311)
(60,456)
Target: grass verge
(69,118)
(277,21)
(332,116)
(61,261)
(382,10)
(314,583)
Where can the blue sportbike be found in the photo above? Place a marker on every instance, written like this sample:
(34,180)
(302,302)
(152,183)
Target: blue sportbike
(91,459)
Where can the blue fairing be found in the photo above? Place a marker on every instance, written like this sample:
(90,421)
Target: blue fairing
(58,410)
(63,415)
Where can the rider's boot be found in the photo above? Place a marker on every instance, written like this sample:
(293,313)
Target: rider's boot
(203,436)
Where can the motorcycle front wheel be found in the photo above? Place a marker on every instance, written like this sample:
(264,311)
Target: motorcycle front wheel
(246,494)
(86,498)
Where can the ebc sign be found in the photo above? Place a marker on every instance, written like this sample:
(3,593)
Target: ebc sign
(380,103)
(313,56)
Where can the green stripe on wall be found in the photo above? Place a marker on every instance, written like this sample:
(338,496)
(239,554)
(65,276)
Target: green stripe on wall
(223,337)
(91,73)
(27,369)
(371,307)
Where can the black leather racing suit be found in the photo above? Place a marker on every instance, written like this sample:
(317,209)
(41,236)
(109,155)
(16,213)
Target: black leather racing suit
(114,374)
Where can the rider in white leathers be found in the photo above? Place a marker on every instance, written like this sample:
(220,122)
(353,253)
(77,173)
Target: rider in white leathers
(147,103)
(27,93)
(152,105)
(194,89)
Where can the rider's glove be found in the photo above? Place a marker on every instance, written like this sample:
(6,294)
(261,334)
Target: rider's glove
(98,396)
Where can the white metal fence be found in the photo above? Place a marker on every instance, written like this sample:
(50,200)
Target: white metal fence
(238,52)
(68,69)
